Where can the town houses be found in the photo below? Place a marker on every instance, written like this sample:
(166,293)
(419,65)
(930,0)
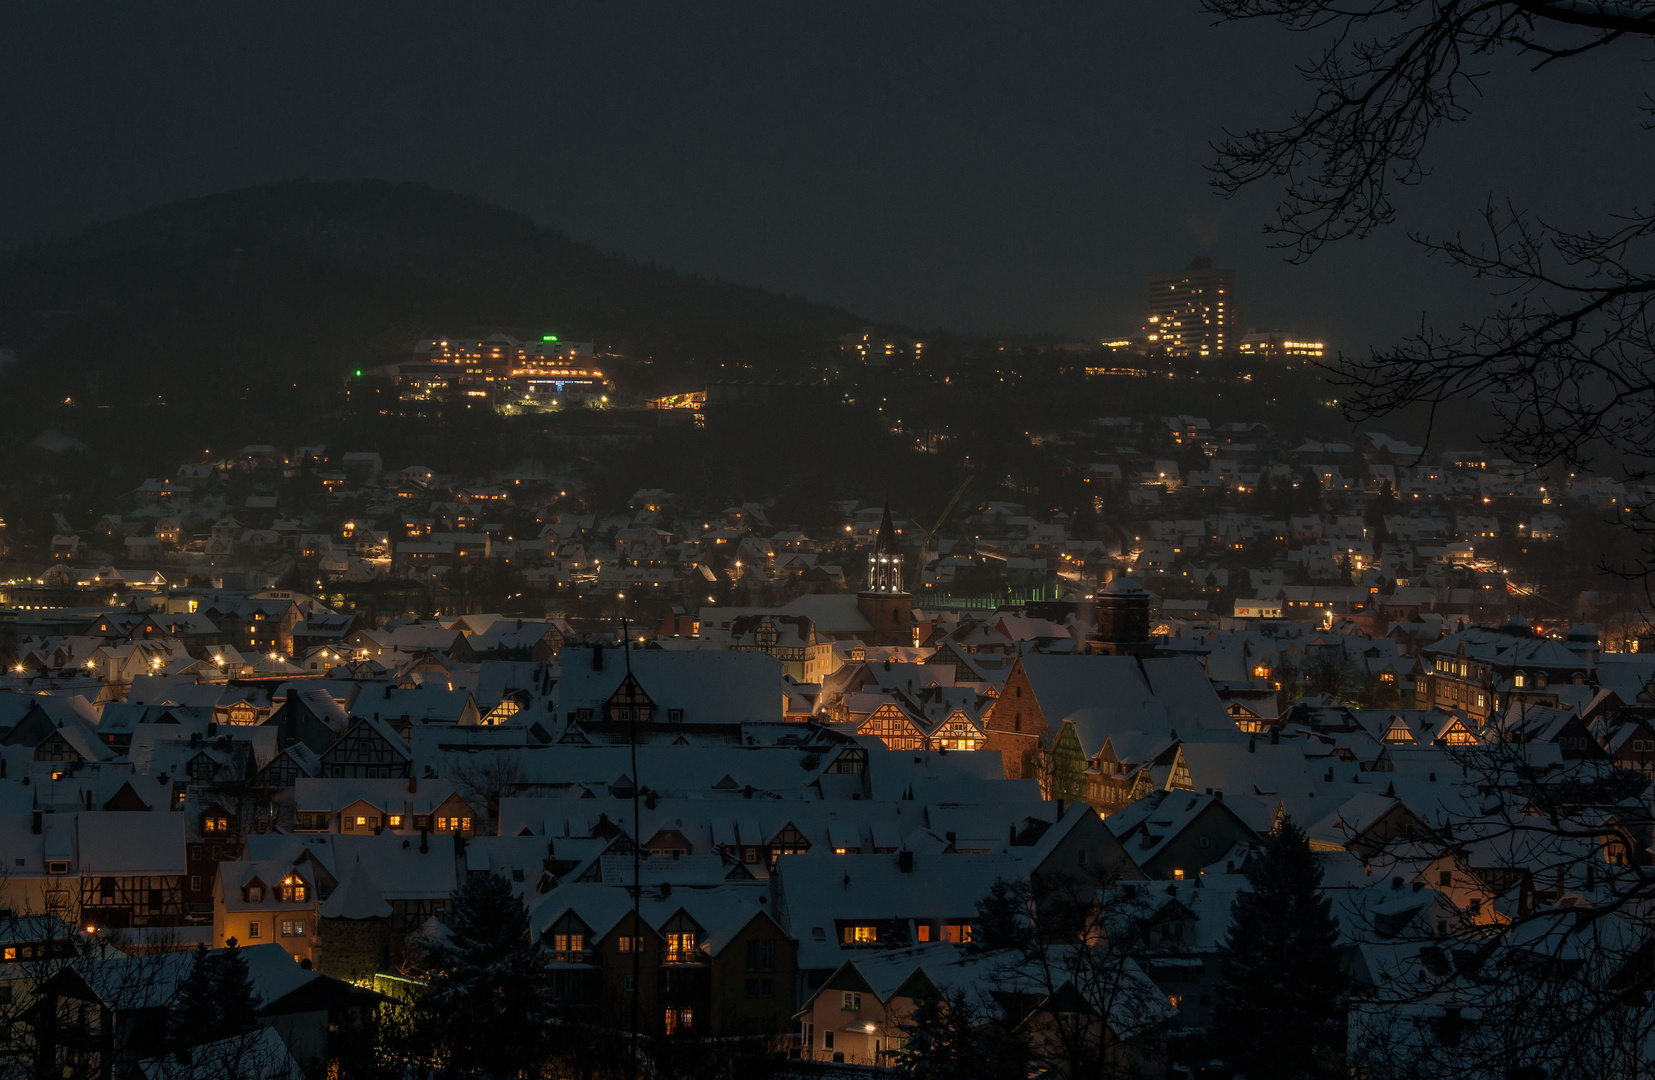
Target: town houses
(756,779)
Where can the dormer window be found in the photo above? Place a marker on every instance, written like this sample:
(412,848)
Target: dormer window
(255,894)
(1519,680)
(568,947)
(293,889)
(212,824)
(681,948)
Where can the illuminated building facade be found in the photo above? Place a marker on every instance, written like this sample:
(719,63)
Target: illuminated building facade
(868,347)
(1276,345)
(1192,312)
(500,369)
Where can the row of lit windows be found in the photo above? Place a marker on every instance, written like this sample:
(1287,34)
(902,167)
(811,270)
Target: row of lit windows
(958,933)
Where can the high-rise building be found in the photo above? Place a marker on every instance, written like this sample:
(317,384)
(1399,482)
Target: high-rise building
(1193,312)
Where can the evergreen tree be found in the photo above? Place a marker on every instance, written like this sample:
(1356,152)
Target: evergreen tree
(214,1001)
(950,1039)
(1280,1009)
(491,992)
(237,1003)
(193,1008)
(1381,506)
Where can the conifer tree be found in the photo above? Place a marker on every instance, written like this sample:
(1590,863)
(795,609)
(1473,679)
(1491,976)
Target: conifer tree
(948,1038)
(1280,1005)
(214,1001)
(193,1011)
(491,991)
(232,987)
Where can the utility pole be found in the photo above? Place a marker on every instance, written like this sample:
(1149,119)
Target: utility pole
(637,858)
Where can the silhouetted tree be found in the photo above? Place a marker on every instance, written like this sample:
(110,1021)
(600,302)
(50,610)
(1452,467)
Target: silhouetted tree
(1567,357)
(951,1037)
(490,1001)
(215,1001)
(1280,1008)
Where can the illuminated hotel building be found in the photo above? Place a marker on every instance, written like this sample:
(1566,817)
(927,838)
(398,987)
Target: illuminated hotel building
(1192,312)
(501,364)
(1279,346)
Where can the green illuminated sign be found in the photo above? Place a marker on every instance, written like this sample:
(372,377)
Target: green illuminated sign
(549,337)
(358,373)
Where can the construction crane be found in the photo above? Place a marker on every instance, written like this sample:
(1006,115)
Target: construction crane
(927,535)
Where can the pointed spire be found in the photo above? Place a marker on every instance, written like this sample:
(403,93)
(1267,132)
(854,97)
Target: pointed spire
(357,897)
(886,543)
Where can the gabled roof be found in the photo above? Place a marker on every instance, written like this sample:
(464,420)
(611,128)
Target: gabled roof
(710,686)
(1105,692)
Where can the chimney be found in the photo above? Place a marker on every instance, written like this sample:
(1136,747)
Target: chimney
(905,861)
(35,823)
(597,657)
(413,785)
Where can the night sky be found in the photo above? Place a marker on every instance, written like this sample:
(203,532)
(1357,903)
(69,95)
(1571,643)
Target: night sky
(976,166)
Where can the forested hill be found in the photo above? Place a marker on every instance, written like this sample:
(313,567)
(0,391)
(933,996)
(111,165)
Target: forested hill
(267,294)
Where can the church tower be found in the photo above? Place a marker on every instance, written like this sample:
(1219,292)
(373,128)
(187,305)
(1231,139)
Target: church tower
(885,560)
(889,610)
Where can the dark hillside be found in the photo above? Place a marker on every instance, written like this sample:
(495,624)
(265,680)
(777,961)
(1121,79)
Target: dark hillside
(269,294)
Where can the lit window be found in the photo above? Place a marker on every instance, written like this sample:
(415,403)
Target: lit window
(681,947)
(293,889)
(850,1001)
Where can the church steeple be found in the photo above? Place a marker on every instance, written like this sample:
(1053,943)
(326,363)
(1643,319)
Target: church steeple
(885,560)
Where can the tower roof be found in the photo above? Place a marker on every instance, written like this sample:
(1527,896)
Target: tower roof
(886,541)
